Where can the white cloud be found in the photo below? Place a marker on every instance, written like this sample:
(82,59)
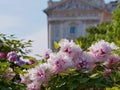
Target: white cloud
(8,22)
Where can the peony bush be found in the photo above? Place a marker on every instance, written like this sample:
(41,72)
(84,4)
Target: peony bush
(72,68)
(68,68)
(12,62)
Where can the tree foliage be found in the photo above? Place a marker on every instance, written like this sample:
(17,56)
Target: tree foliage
(109,31)
(11,43)
(12,49)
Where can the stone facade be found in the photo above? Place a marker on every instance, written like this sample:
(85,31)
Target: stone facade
(70,18)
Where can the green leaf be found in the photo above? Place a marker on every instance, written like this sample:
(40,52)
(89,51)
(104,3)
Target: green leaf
(64,74)
(29,57)
(4,64)
(94,75)
(78,42)
(56,45)
(18,70)
(74,85)
(114,88)
(28,66)
(83,80)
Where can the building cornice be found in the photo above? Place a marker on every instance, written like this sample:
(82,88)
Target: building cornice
(50,8)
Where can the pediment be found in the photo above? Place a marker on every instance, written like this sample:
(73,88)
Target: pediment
(74,5)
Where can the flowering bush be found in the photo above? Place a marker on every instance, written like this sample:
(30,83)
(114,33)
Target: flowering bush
(71,68)
(12,52)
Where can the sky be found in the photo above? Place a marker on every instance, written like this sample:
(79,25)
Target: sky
(26,19)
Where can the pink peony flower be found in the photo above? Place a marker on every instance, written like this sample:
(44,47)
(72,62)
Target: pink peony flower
(113,60)
(33,86)
(59,62)
(47,54)
(101,50)
(39,73)
(107,72)
(70,48)
(90,60)
(83,61)
(3,55)
(12,56)
(25,78)
(118,68)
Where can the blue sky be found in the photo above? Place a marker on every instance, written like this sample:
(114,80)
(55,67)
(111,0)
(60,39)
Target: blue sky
(25,19)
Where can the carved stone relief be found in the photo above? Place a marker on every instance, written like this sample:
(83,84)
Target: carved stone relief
(73,5)
(97,3)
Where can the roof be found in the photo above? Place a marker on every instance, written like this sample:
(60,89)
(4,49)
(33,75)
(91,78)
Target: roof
(62,2)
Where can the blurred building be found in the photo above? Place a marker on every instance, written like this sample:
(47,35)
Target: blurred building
(70,18)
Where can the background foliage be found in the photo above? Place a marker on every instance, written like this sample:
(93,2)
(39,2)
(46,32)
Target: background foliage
(10,71)
(108,31)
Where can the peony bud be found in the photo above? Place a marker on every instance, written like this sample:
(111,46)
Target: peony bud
(21,62)
(12,56)
(3,55)
(31,62)
(107,72)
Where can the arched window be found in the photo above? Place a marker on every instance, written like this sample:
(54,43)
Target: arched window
(72,30)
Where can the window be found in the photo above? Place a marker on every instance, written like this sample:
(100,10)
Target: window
(72,30)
